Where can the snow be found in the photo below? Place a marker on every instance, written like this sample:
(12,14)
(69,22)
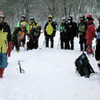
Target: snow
(49,75)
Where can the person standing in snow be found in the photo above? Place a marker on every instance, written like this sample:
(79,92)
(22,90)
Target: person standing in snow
(97,51)
(19,35)
(50,31)
(63,34)
(82,26)
(71,32)
(5,43)
(23,19)
(90,33)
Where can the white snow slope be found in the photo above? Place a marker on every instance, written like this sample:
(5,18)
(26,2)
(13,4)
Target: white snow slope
(49,75)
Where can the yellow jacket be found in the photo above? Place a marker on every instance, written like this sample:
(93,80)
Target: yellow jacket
(3,41)
(31,26)
(49,28)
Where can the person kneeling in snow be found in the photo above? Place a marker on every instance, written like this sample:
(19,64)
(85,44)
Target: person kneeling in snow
(5,42)
(34,37)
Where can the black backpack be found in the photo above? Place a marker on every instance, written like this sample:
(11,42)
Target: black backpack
(83,66)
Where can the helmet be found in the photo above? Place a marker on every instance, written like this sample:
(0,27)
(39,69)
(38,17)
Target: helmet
(24,24)
(50,16)
(23,16)
(2,14)
(31,18)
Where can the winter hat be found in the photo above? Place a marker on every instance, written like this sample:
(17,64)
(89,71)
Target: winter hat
(82,16)
(70,18)
(31,18)
(2,14)
(89,16)
(23,16)
(63,19)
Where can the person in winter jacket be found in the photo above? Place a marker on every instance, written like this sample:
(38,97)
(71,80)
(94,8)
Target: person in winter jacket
(50,31)
(18,35)
(82,26)
(97,51)
(23,19)
(71,32)
(63,34)
(34,38)
(5,43)
(32,25)
(90,33)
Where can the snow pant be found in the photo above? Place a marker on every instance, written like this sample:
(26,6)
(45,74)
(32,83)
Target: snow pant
(70,43)
(1,72)
(49,37)
(16,44)
(3,63)
(23,41)
(89,43)
(63,42)
(82,42)
(3,60)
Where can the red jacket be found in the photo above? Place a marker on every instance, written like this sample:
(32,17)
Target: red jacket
(90,32)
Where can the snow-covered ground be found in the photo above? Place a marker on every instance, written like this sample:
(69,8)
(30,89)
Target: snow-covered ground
(49,75)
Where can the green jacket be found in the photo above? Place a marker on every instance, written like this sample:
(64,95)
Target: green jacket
(82,26)
(20,23)
(62,28)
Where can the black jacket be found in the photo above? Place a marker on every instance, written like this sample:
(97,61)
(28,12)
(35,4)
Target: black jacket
(6,28)
(97,51)
(71,29)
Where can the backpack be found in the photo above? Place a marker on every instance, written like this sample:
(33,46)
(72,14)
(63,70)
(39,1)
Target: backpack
(83,66)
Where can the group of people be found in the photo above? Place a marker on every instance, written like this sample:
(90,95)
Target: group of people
(68,30)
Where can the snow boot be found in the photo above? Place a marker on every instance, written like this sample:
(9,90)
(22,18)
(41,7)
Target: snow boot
(1,72)
(99,66)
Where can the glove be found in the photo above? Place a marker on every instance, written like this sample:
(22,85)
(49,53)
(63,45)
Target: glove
(9,48)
